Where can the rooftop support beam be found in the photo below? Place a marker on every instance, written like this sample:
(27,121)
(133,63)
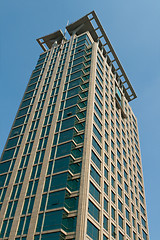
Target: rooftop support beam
(48,40)
(77,29)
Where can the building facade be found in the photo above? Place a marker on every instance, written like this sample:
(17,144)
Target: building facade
(71,167)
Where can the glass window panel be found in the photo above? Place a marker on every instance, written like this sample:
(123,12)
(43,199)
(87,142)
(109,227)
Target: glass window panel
(31,205)
(39,223)
(72,92)
(98,101)
(93,210)
(8,209)
(94,192)
(96,132)
(77,153)
(61,164)
(105,222)
(4,167)
(63,149)
(25,103)
(58,181)
(20,228)
(98,111)
(96,160)
(9,227)
(95,175)
(19,121)
(12,142)
(120,220)
(22,112)
(105,188)
(71,101)
(68,123)
(97,122)
(66,136)
(35,187)
(3,227)
(79,138)
(56,200)
(96,146)
(25,231)
(73,184)
(52,220)
(105,205)
(25,206)
(92,231)
(16,131)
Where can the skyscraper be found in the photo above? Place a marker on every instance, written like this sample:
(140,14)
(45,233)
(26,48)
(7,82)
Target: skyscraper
(71,167)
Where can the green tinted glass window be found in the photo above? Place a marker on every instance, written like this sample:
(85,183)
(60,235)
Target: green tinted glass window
(39,223)
(105,205)
(26,226)
(98,111)
(2,180)
(61,164)
(56,200)
(96,160)
(19,121)
(8,209)
(52,220)
(21,226)
(95,175)
(93,210)
(58,181)
(63,149)
(4,167)
(97,133)
(22,112)
(105,222)
(94,192)
(77,153)
(97,122)
(73,185)
(92,231)
(96,146)
(16,131)
(71,203)
(79,138)
(66,136)
(71,101)
(72,92)
(26,103)
(12,142)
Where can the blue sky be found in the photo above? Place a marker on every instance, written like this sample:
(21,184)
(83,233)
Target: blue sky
(133,29)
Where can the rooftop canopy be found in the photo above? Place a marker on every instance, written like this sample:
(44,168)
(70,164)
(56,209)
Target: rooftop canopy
(91,23)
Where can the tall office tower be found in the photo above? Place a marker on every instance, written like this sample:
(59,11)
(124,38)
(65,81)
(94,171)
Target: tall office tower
(71,167)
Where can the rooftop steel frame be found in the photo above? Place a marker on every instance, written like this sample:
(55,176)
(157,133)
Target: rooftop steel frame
(91,23)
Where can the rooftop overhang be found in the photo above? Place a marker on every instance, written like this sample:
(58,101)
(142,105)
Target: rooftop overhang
(48,40)
(91,23)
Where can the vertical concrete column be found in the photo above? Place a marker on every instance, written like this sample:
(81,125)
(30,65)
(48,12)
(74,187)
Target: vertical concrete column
(36,207)
(103,152)
(85,172)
